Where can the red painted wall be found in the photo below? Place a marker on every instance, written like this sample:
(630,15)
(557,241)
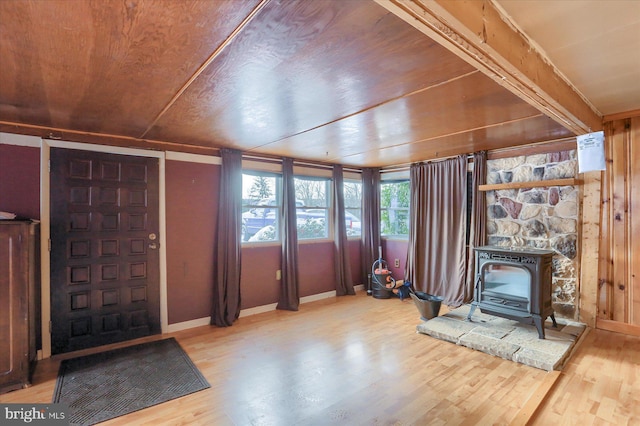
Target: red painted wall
(192,211)
(316,271)
(20,180)
(354,259)
(392,250)
(258,284)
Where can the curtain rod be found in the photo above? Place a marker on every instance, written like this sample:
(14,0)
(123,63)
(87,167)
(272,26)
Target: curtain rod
(304,163)
(407,166)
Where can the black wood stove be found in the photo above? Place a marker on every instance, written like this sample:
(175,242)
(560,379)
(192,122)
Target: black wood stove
(514,283)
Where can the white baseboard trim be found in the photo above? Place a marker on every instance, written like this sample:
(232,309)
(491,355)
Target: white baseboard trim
(319,296)
(185,325)
(258,310)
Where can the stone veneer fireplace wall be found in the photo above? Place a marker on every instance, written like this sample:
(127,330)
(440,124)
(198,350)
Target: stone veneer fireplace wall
(544,217)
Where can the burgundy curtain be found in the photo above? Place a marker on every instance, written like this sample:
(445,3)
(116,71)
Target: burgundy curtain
(477,228)
(436,259)
(370,220)
(226,284)
(289,285)
(344,282)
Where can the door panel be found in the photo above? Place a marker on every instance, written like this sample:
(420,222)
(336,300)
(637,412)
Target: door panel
(104,257)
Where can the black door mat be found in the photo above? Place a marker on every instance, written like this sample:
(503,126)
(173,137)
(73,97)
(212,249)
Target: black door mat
(110,384)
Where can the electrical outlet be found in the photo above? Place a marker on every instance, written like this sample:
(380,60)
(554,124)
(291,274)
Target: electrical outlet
(278,274)
(396,263)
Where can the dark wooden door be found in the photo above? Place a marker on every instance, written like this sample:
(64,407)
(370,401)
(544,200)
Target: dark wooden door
(104,249)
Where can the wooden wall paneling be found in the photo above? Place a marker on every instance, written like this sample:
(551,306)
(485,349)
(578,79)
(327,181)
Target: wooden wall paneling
(634,225)
(590,237)
(605,285)
(618,222)
(619,291)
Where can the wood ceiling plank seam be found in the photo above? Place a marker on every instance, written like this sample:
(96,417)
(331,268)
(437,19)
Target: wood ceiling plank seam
(215,54)
(434,20)
(472,129)
(459,149)
(379,104)
(459,132)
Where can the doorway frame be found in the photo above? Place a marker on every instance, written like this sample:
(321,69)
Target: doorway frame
(45,231)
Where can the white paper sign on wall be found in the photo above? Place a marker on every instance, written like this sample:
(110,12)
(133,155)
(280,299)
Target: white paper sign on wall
(591,152)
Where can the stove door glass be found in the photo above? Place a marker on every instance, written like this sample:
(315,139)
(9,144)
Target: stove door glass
(507,280)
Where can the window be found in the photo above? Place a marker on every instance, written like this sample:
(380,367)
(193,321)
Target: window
(353,207)
(394,208)
(260,207)
(312,207)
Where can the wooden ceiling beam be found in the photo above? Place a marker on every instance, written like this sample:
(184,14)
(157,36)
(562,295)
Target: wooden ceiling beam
(479,33)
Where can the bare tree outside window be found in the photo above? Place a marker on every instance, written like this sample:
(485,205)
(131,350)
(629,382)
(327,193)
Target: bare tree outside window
(312,208)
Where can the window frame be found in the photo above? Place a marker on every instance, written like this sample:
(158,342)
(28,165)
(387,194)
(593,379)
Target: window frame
(328,208)
(275,206)
(350,209)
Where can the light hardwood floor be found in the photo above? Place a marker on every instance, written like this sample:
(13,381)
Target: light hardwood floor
(356,360)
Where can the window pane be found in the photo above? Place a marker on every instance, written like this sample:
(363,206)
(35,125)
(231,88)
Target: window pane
(312,208)
(353,210)
(260,207)
(394,194)
(352,195)
(311,192)
(394,208)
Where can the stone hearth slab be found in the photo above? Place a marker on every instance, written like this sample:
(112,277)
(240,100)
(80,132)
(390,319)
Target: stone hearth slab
(489,345)
(445,329)
(506,338)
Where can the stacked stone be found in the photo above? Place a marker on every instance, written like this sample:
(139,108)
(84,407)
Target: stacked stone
(544,217)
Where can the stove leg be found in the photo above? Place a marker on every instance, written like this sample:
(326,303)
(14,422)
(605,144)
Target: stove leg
(471,311)
(540,326)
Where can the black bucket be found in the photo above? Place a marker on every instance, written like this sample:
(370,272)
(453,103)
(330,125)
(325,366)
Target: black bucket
(428,305)
(380,290)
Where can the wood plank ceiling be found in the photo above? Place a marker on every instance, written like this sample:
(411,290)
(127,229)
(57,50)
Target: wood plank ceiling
(331,81)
